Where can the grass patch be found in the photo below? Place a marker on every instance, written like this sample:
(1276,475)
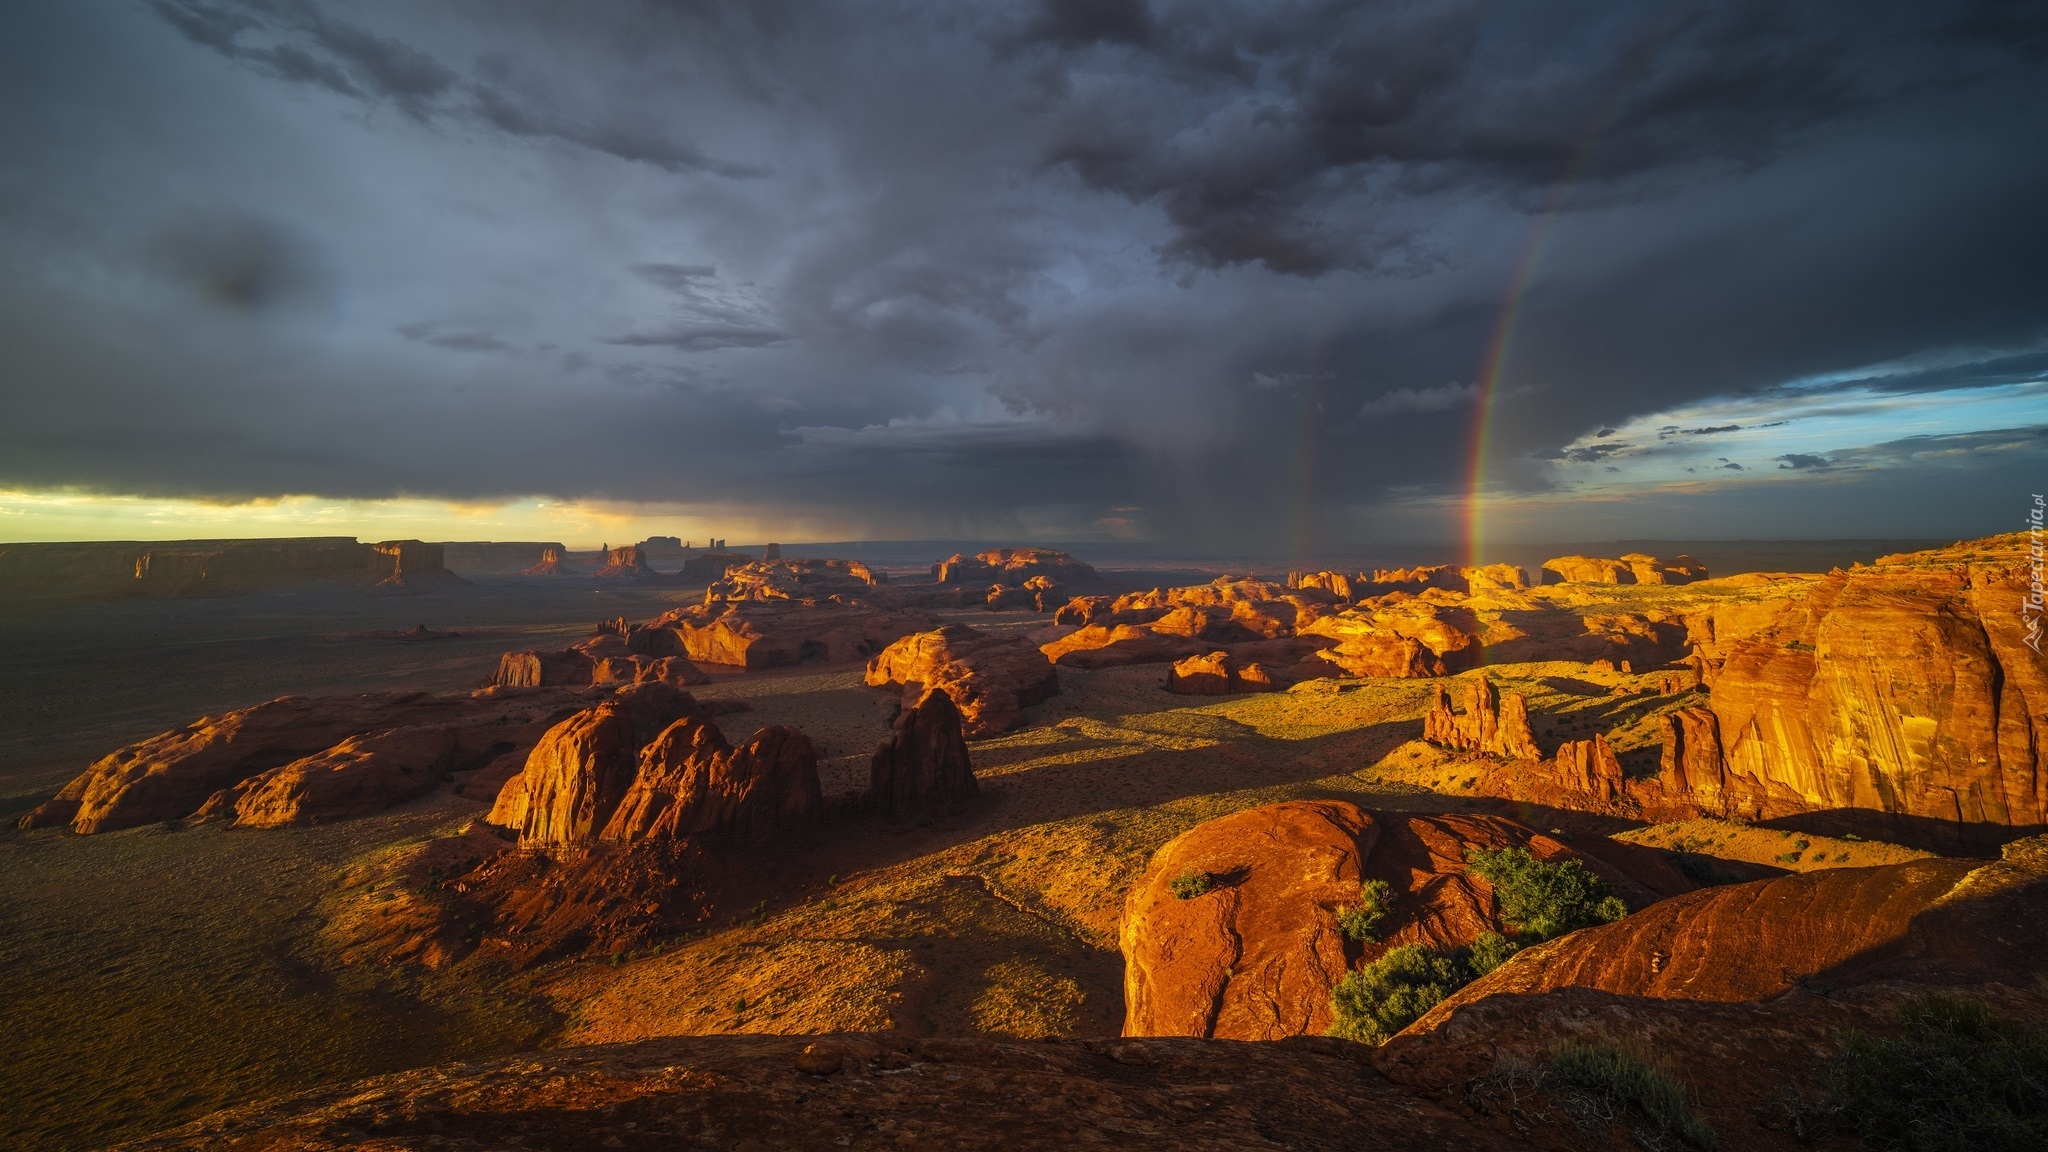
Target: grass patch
(1955,1077)
(1617,1082)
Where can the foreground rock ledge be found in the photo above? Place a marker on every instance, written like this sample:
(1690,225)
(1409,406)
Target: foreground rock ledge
(751,1092)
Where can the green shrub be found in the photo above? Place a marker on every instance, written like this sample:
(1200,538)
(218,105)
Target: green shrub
(1359,921)
(1191,884)
(1955,1077)
(1621,1081)
(1378,1000)
(1545,899)
(1488,952)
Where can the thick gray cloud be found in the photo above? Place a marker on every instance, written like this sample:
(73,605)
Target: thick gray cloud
(1228,271)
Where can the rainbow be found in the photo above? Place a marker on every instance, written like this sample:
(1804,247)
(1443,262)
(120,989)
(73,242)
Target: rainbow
(1493,363)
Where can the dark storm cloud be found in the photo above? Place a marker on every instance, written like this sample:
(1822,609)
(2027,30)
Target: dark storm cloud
(1205,259)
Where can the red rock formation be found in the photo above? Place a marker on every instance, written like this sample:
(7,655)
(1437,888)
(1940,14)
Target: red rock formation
(1012,566)
(1097,646)
(1255,956)
(1410,639)
(626,562)
(784,633)
(360,775)
(1337,584)
(1492,725)
(1222,674)
(1589,768)
(573,780)
(1634,568)
(991,678)
(1947,918)
(299,759)
(1586,570)
(691,782)
(1905,687)
(104,569)
(551,563)
(1493,578)
(1758,984)
(410,566)
(583,767)
(924,761)
(793,580)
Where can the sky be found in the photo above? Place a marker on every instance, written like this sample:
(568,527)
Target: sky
(1295,277)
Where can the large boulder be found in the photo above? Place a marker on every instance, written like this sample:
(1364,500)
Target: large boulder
(923,763)
(690,781)
(990,677)
(1249,948)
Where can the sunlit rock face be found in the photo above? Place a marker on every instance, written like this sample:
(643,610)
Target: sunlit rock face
(1492,724)
(1906,687)
(990,677)
(1251,949)
(690,781)
(1633,568)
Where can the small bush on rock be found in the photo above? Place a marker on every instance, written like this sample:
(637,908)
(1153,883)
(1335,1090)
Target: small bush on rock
(1545,899)
(1378,1000)
(1189,885)
(1361,920)
(1489,951)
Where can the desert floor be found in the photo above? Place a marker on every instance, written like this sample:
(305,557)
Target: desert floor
(155,975)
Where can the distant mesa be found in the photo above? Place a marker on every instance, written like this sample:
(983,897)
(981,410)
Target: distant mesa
(990,678)
(551,563)
(627,562)
(1011,567)
(1633,568)
(188,568)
